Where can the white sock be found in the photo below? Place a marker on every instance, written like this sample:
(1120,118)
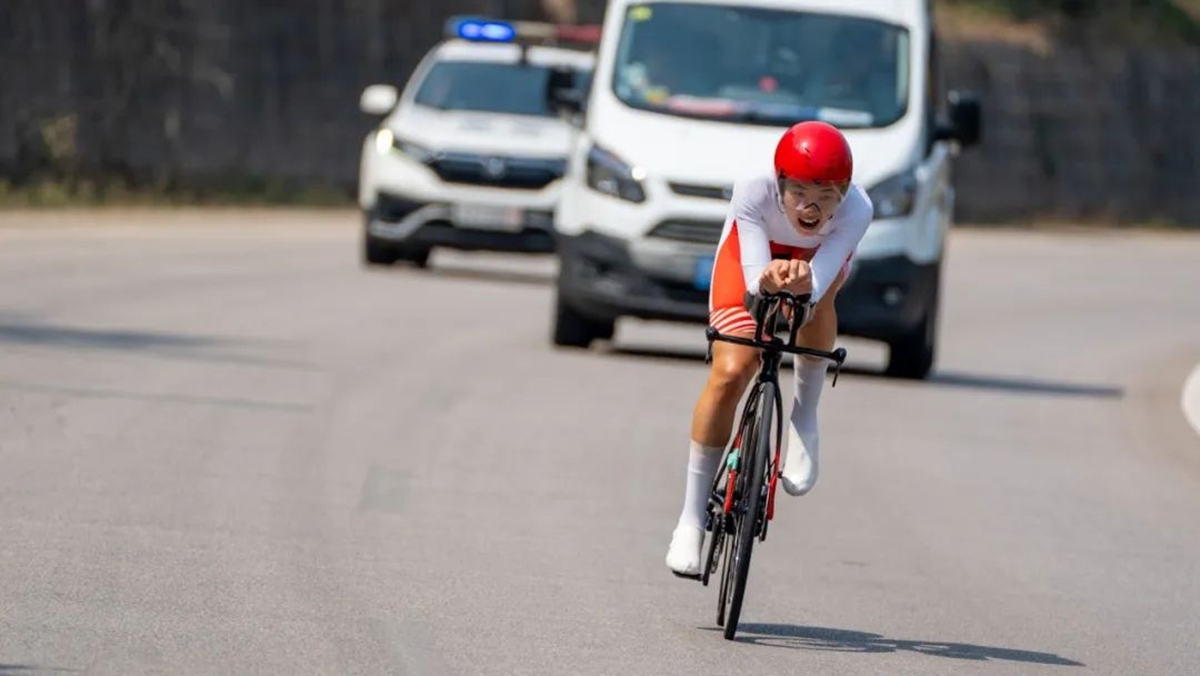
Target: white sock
(703,462)
(809,379)
(801,466)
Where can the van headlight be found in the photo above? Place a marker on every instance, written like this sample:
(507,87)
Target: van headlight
(608,174)
(896,196)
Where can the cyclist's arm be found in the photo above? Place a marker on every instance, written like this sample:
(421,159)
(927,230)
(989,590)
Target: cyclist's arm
(755,247)
(851,221)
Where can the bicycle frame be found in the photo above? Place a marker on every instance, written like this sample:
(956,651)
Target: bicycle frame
(768,307)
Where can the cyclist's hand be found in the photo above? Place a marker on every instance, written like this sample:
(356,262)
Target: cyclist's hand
(802,281)
(776,277)
(790,275)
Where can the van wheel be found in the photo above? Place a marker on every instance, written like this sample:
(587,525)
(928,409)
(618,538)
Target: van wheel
(912,355)
(572,329)
(418,256)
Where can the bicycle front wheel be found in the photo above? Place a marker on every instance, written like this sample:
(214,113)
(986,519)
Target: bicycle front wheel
(753,512)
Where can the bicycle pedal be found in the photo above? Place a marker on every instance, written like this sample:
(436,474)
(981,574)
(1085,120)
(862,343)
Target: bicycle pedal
(695,577)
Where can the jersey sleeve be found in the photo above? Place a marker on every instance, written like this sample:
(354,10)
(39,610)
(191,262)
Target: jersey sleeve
(848,227)
(749,200)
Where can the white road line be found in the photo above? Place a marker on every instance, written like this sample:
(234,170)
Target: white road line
(1191,399)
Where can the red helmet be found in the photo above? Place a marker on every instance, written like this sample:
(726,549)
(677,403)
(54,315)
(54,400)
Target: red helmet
(814,152)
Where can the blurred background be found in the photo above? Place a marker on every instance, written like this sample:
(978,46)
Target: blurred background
(1090,106)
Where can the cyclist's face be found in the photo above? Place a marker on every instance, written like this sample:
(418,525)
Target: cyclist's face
(809,205)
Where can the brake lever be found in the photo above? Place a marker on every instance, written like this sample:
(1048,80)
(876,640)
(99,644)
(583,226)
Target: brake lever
(839,358)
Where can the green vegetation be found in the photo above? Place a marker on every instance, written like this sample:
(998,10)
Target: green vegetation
(49,192)
(1126,20)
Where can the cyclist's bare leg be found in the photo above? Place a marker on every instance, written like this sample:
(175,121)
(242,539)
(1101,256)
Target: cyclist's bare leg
(800,468)
(733,366)
(820,333)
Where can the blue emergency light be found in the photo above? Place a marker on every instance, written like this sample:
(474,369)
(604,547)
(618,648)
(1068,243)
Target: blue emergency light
(482,30)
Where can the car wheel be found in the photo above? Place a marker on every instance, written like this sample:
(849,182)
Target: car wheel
(572,329)
(377,252)
(418,256)
(912,355)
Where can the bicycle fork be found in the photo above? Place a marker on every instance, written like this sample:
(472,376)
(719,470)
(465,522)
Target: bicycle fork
(731,481)
(771,486)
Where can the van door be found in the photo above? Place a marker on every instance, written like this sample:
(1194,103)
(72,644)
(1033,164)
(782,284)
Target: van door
(934,172)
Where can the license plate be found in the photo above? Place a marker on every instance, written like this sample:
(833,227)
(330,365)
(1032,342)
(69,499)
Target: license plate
(703,272)
(487,217)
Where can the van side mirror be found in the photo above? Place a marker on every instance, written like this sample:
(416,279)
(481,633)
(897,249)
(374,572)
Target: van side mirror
(965,124)
(379,99)
(563,94)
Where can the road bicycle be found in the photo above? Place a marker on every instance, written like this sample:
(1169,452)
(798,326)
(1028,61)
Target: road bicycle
(742,503)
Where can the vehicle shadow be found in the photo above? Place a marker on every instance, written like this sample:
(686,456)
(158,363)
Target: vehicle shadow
(161,398)
(28,670)
(1013,384)
(169,345)
(844,640)
(458,269)
(949,378)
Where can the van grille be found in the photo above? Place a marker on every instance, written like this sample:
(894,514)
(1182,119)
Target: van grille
(694,231)
(712,192)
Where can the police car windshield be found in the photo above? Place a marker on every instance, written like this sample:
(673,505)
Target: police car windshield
(486,86)
(756,65)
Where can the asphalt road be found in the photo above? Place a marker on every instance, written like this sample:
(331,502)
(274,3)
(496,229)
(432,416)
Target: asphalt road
(226,448)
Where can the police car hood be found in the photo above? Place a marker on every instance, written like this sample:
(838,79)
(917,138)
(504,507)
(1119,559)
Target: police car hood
(716,153)
(482,133)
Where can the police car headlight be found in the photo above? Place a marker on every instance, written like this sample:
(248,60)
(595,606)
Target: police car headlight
(896,196)
(608,174)
(386,141)
(384,138)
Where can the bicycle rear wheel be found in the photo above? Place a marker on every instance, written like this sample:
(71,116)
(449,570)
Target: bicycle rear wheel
(753,512)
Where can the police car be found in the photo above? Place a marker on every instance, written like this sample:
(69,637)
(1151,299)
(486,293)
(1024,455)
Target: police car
(470,155)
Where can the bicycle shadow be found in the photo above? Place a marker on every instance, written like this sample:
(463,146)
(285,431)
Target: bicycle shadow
(845,640)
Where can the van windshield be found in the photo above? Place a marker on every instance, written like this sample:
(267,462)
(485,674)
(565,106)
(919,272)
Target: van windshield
(757,65)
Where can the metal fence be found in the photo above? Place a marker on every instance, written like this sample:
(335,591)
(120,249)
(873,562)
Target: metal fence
(216,92)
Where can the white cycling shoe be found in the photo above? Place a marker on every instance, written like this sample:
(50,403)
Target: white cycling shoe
(683,556)
(800,468)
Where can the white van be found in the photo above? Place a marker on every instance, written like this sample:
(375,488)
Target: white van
(687,97)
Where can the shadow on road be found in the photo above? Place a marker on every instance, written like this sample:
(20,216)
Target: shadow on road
(941,378)
(177,346)
(153,398)
(29,670)
(1013,384)
(459,271)
(843,640)
(41,334)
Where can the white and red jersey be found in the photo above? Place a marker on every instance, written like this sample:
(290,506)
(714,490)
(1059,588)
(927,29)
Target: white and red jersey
(757,230)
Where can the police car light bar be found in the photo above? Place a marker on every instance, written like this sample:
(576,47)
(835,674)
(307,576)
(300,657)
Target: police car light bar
(479,29)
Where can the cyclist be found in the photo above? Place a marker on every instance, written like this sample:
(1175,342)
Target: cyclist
(792,230)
